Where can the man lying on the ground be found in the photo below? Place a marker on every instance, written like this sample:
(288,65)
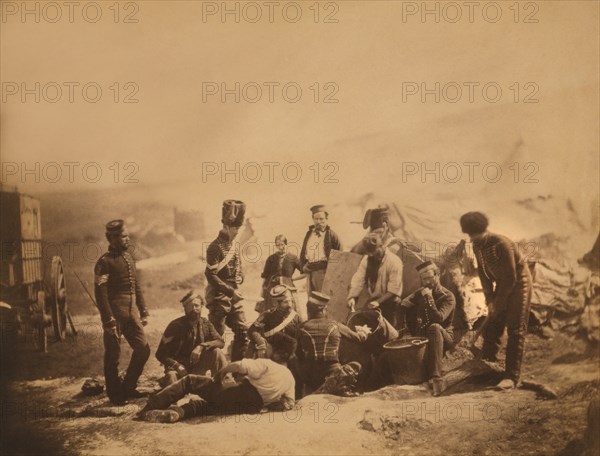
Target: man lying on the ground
(265,383)
(280,319)
(190,344)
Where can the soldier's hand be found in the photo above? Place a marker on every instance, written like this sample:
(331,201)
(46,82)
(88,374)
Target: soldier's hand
(373,305)
(110,328)
(195,355)
(181,372)
(426,292)
(352,303)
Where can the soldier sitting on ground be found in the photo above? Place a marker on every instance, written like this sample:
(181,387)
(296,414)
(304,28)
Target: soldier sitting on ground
(265,383)
(190,344)
(281,319)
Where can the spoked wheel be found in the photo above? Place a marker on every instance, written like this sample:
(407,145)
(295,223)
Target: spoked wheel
(57,299)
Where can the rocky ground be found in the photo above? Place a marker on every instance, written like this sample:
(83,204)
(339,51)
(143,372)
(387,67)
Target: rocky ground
(45,413)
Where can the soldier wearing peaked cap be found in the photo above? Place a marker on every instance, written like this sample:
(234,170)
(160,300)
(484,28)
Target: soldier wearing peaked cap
(320,239)
(429,313)
(319,341)
(118,292)
(224,275)
(281,319)
(190,344)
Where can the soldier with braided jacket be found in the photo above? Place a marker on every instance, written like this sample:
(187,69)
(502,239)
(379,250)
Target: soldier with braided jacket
(507,283)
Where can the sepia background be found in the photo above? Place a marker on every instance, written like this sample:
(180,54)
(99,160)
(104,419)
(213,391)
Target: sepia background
(358,133)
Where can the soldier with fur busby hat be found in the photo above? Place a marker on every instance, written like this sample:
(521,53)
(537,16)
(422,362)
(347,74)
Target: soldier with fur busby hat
(224,275)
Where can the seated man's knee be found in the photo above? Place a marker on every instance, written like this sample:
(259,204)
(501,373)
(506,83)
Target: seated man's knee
(434,328)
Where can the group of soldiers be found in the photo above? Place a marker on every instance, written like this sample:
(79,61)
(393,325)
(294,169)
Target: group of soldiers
(286,353)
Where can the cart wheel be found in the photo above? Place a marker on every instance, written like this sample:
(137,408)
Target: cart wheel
(57,299)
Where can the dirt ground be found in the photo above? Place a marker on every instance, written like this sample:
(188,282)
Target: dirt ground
(44,412)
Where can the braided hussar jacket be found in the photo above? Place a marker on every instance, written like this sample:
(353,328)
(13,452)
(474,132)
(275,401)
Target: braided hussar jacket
(320,339)
(222,282)
(500,263)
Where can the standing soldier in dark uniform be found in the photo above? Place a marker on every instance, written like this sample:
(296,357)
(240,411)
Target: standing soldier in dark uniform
(320,239)
(506,282)
(190,344)
(224,274)
(429,313)
(118,292)
(320,342)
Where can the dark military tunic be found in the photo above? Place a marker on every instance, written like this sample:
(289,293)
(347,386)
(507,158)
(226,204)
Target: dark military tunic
(270,320)
(223,270)
(116,285)
(420,315)
(506,282)
(181,337)
(224,273)
(319,348)
(432,317)
(117,292)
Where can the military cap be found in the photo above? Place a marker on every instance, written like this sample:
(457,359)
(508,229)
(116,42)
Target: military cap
(233,212)
(318,299)
(280,290)
(372,241)
(115,226)
(473,223)
(190,297)
(318,208)
(374,218)
(426,265)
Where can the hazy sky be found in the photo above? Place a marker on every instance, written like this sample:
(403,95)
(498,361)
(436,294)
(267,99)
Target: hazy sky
(371,58)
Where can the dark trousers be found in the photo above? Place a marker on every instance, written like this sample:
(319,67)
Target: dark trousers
(314,373)
(212,359)
(217,399)
(232,315)
(514,318)
(131,328)
(439,340)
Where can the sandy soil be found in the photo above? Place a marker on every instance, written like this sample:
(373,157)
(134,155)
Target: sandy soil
(44,412)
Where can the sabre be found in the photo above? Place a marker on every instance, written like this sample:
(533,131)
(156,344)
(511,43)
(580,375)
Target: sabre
(85,288)
(117,335)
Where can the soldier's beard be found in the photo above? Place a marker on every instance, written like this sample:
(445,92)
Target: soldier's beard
(194,316)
